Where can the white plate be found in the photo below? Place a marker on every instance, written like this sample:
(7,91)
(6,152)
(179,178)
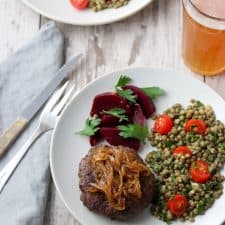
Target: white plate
(62,11)
(67,148)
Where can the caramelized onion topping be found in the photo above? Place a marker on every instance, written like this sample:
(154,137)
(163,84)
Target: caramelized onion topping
(117,173)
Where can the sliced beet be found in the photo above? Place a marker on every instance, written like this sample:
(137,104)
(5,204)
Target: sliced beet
(139,116)
(108,100)
(145,101)
(95,139)
(111,134)
(109,121)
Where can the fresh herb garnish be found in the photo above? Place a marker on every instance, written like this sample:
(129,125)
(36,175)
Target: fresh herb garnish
(133,131)
(222,145)
(169,143)
(156,167)
(212,185)
(214,136)
(153,92)
(180,143)
(199,104)
(91,126)
(194,164)
(158,154)
(201,205)
(127,94)
(123,80)
(117,112)
(172,178)
(169,222)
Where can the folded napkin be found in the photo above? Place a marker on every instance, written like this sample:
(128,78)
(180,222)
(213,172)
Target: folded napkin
(22,77)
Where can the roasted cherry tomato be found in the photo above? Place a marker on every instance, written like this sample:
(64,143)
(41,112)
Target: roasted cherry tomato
(195,124)
(178,205)
(199,171)
(80,4)
(163,124)
(182,150)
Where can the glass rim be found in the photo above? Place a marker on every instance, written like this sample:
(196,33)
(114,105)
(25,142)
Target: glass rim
(205,14)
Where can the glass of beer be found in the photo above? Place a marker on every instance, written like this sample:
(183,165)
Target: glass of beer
(204,36)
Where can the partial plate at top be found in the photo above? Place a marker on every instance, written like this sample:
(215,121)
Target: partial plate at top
(62,10)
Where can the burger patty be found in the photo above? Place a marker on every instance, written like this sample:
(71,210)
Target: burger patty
(97,202)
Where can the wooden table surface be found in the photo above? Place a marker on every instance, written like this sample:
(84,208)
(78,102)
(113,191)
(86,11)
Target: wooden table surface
(152,37)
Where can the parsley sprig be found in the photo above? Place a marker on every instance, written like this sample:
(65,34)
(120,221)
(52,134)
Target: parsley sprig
(91,126)
(123,80)
(133,131)
(127,94)
(153,92)
(117,112)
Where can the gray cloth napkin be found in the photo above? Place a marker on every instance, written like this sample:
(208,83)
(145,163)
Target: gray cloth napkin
(22,77)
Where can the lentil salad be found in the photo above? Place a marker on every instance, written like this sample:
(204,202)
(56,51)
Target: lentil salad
(192,145)
(98,5)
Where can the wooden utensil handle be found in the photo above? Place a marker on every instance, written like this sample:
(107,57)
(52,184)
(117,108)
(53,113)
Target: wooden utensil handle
(7,138)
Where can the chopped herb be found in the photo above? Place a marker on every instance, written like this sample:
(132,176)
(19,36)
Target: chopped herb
(153,92)
(127,94)
(222,145)
(180,143)
(199,104)
(212,185)
(201,205)
(169,143)
(194,164)
(91,126)
(123,80)
(172,178)
(210,201)
(133,131)
(156,167)
(158,154)
(117,112)
(214,136)
(169,222)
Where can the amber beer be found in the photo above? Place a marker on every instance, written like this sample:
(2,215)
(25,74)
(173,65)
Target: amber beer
(204,35)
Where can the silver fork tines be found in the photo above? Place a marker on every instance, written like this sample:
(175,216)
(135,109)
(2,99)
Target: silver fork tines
(47,121)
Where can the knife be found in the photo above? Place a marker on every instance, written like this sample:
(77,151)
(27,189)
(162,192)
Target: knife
(9,136)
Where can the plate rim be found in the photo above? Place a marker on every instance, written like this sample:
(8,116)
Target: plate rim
(80,91)
(78,23)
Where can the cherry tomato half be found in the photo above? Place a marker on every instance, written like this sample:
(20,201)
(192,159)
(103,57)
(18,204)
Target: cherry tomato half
(199,171)
(163,124)
(178,205)
(182,150)
(79,4)
(195,124)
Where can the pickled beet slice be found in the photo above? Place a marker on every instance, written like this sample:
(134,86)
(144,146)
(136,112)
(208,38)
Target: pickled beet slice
(139,116)
(111,134)
(109,121)
(95,139)
(108,100)
(145,101)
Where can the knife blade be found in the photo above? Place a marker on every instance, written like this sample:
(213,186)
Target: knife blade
(9,136)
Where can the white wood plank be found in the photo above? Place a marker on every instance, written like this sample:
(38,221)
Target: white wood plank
(17,25)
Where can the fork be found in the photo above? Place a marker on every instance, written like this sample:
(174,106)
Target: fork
(47,121)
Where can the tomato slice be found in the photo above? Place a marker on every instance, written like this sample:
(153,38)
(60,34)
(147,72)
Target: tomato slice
(195,124)
(182,150)
(178,205)
(80,4)
(199,171)
(163,124)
